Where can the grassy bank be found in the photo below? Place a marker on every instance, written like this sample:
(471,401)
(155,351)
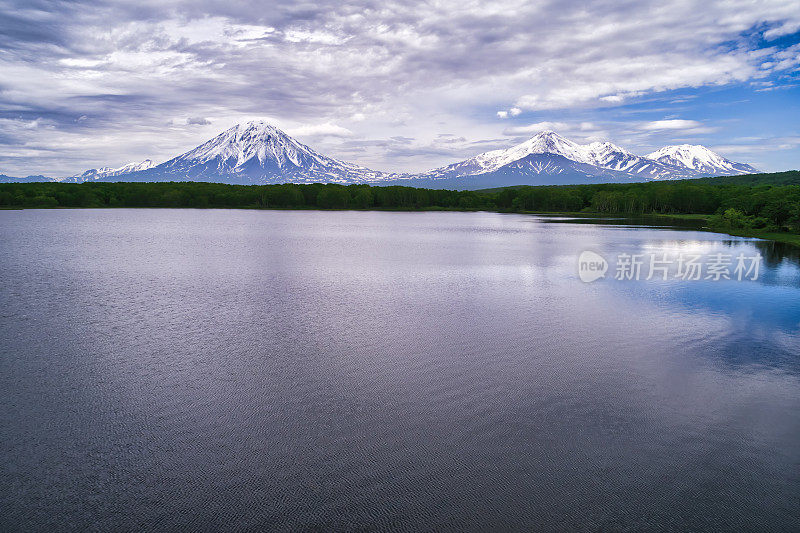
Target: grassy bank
(704,223)
(783,237)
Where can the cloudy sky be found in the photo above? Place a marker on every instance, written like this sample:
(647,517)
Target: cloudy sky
(403,86)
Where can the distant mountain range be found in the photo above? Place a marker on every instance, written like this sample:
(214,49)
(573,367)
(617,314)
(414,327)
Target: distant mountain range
(259,153)
(105,172)
(549,159)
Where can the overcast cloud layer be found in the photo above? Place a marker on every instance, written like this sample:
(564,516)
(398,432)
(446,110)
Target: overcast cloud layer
(395,85)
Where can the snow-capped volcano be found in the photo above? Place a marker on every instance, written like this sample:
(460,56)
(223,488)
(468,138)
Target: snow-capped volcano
(549,154)
(546,142)
(255,143)
(699,158)
(256,152)
(549,158)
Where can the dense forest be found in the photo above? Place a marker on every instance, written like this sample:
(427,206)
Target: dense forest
(767,202)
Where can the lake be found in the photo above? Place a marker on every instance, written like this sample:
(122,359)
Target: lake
(233,369)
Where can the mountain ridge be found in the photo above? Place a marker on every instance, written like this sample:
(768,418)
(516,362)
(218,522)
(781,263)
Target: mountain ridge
(675,161)
(104,172)
(257,152)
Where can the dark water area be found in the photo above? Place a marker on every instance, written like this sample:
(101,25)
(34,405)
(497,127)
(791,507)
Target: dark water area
(298,370)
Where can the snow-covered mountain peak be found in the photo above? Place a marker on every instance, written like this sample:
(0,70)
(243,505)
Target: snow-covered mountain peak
(243,142)
(134,167)
(547,136)
(549,142)
(609,155)
(686,153)
(605,148)
(696,157)
(259,152)
(545,142)
(258,129)
(105,172)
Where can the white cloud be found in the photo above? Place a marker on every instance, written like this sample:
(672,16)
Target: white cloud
(682,126)
(763,145)
(513,112)
(535,128)
(671,124)
(786,28)
(414,68)
(320,130)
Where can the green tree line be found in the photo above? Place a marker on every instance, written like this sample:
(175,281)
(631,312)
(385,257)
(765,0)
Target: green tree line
(757,205)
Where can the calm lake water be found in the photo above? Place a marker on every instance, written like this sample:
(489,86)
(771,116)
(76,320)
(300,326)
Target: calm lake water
(224,369)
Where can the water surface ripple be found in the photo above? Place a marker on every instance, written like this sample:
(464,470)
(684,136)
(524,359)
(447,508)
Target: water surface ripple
(216,369)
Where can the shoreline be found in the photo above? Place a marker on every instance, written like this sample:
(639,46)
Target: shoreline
(781,237)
